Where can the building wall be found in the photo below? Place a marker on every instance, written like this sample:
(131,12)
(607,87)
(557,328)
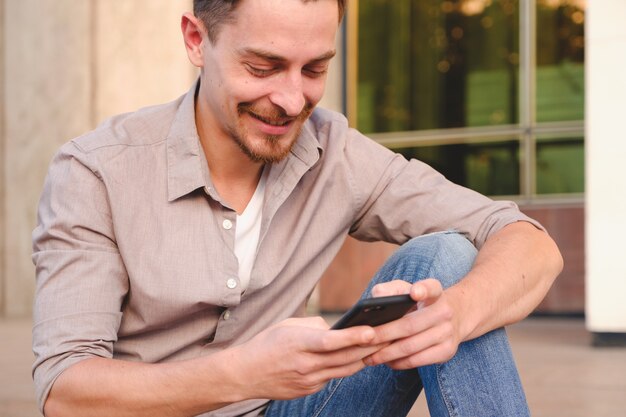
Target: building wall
(357,262)
(2,176)
(604,154)
(565,223)
(67,65)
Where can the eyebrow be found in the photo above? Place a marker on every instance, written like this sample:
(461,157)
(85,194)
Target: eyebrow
(269,56)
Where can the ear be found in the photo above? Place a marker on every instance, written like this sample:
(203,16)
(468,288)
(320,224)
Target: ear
(194,35)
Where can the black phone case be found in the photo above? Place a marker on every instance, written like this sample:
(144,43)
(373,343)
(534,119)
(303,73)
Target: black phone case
(376,311)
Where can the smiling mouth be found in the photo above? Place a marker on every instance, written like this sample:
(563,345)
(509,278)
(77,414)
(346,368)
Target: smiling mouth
(271,122)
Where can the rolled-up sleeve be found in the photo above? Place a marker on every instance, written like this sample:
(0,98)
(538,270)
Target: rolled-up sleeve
(81,280)
(400,199)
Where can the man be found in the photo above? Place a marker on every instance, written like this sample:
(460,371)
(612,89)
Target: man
(177,246)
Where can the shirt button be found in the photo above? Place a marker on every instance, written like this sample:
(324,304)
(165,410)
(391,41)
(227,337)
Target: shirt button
(226,315)
(227,224)
(231,283)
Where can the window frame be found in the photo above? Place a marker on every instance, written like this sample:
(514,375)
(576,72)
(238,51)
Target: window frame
(527,130)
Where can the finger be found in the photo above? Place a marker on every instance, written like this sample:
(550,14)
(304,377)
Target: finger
(328,341)
(411,345)
(340,371)
(428,289)
(347,355)
(435,354)
(312,365)
(395,287)
(411,324)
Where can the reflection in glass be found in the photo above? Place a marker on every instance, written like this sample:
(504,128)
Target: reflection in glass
(490,168)
(560,60)
(560,166)
(429,64)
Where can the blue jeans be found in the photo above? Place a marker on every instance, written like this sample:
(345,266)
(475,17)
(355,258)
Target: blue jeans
(480,380)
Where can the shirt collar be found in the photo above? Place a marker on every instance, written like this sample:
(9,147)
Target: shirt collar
(186,162)
(307,148)
(187,168)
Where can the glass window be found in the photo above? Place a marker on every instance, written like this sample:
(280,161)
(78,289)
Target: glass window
(442,71)
(560,165)
(490,168)
(430,64)
(560,60)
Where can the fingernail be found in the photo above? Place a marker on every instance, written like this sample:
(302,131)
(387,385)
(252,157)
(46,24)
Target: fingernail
(368,361)
(418,292)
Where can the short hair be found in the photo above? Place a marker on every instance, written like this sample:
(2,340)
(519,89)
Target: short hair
(213,13)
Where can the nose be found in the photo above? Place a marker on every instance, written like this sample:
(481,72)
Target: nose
(288,93)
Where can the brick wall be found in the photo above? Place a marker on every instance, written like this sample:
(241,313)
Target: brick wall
(350,272)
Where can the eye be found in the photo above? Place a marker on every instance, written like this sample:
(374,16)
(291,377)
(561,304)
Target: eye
(260,72)
(315,72)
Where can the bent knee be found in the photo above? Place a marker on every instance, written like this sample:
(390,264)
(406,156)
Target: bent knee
(451,255)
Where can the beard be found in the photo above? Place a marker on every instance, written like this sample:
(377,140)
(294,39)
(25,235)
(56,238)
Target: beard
(273,148)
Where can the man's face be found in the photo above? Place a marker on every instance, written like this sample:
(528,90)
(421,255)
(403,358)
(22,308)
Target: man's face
(266,72)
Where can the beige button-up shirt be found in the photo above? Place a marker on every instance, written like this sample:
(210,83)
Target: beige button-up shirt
(134,246)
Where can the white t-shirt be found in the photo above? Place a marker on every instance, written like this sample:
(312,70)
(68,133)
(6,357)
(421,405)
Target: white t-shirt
(248,231)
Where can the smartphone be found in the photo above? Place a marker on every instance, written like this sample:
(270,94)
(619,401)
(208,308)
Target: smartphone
(376,311)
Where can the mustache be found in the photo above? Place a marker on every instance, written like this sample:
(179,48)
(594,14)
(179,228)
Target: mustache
(274,114)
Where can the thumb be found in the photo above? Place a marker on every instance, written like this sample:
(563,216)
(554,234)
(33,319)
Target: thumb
(426,291)
(395,287)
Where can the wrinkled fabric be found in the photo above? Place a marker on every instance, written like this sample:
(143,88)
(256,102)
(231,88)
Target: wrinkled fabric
(134,261)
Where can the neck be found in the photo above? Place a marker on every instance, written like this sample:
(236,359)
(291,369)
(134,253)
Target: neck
(233,173)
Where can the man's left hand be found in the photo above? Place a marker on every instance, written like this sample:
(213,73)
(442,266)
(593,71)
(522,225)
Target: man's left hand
(430,334)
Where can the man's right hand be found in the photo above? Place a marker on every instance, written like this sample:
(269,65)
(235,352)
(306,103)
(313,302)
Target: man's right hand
(291,359)
(297,357)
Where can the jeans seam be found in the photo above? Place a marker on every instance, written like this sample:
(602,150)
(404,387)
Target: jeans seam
(444,393)
(328,398)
